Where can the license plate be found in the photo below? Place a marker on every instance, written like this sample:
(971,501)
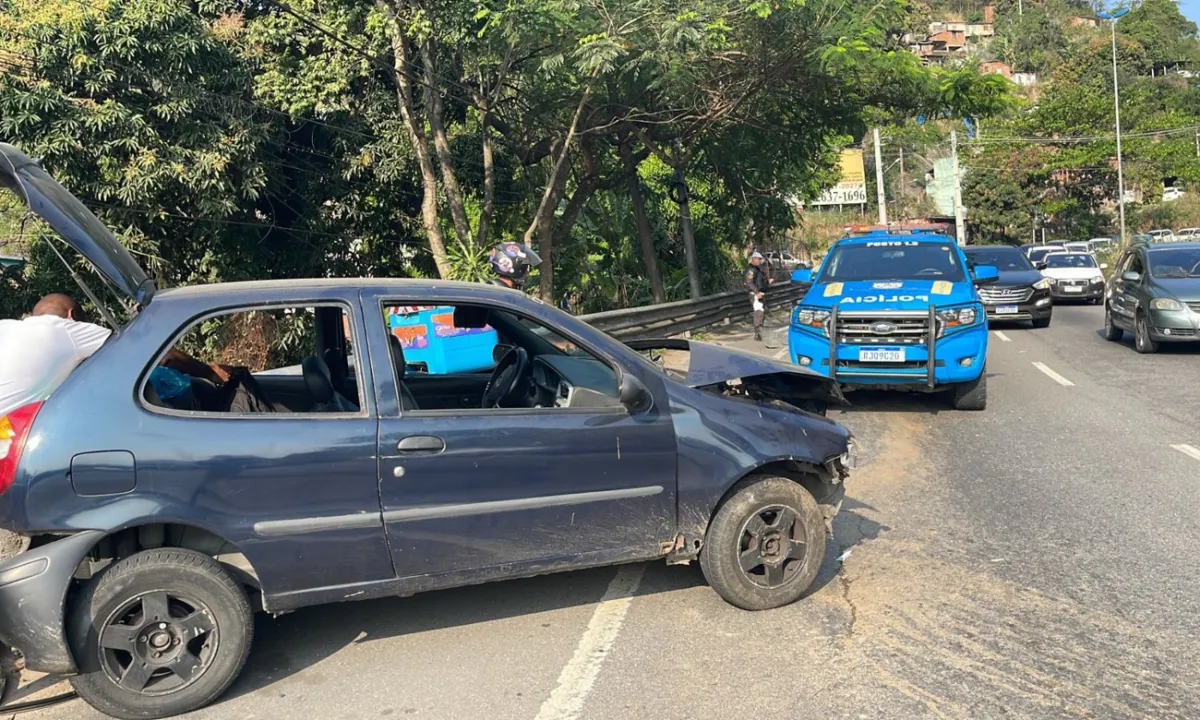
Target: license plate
(881,355)
(1006,309)
(1073,288)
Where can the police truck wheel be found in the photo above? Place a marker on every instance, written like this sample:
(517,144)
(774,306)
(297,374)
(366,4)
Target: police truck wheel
(972,395)
(765,544)
(160,633)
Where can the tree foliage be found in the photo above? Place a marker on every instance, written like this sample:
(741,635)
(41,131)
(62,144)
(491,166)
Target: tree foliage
(226,139)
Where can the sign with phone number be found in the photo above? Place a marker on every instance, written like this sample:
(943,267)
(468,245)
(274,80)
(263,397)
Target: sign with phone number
(844,194)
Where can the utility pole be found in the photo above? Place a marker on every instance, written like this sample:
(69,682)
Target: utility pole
(1020,8)
(1112,18)
(1198,143)
(960,227)
(903,214)
(880,198)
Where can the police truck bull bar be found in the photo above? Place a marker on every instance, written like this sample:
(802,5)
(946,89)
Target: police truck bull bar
(930,345)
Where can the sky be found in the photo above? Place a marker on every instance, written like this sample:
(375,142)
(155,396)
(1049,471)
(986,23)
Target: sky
(1190,10)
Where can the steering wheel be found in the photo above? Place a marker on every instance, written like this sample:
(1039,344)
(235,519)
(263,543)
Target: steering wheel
(505,377)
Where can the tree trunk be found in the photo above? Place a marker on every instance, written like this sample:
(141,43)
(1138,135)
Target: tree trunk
(416,135)
(435,114)
(489,185)
(645,239)
(685,228)
(544,225)
(545,212)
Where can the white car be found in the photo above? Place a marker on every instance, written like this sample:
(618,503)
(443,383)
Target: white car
(1171,194)
(1161,236)
(1188,234)
(1099,244)
(1074,276)
(1078,246)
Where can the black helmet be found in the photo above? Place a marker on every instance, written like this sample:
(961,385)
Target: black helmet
(513,260)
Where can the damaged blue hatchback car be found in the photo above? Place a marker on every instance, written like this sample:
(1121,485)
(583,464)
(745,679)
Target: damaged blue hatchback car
(322,466)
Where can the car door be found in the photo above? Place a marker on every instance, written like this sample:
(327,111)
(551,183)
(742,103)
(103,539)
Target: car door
(1127,291)
(516,490)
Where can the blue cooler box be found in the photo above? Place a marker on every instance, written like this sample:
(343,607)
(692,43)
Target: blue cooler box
(429,338)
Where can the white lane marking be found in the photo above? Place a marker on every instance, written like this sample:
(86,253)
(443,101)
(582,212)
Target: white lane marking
(577,678)
(1000,334)
(1188,450)
(1053,375)
(779,355)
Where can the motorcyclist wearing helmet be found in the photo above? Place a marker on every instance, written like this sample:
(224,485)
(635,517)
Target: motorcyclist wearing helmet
(512,262)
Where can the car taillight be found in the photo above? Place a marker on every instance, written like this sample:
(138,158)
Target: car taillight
(14,428)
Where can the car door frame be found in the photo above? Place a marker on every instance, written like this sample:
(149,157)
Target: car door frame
(1127,300)
(584,336)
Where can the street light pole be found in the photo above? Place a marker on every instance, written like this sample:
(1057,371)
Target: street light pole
(1112,18)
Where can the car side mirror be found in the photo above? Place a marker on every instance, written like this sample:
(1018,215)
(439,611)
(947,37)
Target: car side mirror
(802,277)
(986,274)
(1103,266)
(1042,266)
(1131,276)
(634,395)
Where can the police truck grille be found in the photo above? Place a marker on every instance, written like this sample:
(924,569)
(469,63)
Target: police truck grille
(904,328)
(993,295)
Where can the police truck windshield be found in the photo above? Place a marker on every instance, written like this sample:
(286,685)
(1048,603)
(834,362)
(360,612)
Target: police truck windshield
(893,260)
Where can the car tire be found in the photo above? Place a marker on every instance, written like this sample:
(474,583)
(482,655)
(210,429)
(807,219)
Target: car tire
(972,395)
(1112,333)
(1142,342)
(1040,323)
(160,633)
(750,558)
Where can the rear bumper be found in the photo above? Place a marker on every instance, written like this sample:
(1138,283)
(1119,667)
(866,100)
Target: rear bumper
(33,593)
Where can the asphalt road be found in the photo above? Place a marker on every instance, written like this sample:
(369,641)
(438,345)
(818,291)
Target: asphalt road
(1038,559)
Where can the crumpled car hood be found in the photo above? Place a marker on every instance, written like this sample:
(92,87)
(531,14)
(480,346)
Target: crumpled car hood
(710,364)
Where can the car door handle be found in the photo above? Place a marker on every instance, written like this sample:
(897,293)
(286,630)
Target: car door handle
(421,444)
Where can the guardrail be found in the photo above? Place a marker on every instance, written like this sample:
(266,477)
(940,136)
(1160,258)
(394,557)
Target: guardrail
(674,318)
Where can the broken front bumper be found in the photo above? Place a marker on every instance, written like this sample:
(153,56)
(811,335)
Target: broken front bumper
(33,594)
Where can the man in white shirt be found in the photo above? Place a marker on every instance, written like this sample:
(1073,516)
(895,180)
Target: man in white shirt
(38,352)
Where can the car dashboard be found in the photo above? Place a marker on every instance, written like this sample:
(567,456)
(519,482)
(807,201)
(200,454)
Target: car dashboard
(566,381)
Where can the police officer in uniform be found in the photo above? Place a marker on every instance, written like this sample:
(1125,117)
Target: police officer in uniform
(512,262)
(756,282)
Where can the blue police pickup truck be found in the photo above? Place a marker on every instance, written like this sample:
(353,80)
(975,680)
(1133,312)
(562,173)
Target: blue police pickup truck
(895,311)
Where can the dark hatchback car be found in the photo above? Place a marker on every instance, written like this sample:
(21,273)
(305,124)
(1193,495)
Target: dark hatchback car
(151,530)
(1021,293)
(1154,292)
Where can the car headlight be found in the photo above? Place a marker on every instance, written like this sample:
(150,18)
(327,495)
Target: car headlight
(1050,281)
(1042,284)
(811,317)
(956,317)
(1166,304)
(1098,280)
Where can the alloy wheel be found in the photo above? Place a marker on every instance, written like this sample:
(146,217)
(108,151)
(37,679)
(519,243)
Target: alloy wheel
(158,643)
(771,546)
